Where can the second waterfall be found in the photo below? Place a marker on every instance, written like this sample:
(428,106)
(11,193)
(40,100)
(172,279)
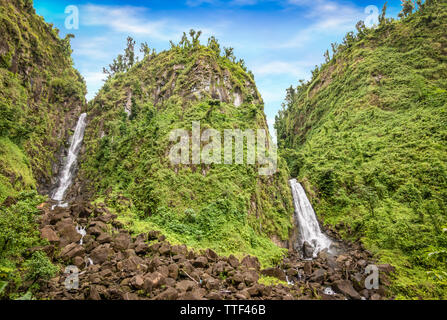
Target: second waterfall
(311,239)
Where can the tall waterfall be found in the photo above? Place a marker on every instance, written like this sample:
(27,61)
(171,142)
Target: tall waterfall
(309,229)
(66,176)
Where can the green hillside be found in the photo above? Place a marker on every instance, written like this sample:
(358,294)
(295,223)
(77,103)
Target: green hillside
(368,136)
(229,208)
(41,95)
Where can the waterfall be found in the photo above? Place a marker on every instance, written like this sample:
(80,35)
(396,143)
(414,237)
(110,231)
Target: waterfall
(309,229)
(66,176)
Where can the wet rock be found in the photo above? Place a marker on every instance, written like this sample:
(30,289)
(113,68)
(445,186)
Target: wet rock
(308,267)
(308,250)
(79,262)
(68,233)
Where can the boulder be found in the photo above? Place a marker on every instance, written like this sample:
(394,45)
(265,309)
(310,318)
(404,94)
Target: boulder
(72,250)
(165,249)
(274,272)
(169,294)
(308,250)
(101,253)
(104,238)
(122,241)
(48,233)
(318,275)
(251,262)
(153,280)
(137,282)
(173,271)
(233,261)
(345,287)
(96,228)
(200,262)
(185,285)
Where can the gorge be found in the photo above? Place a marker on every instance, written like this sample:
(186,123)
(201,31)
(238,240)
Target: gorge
(360,179)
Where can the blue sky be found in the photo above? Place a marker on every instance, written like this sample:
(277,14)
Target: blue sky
(281,41)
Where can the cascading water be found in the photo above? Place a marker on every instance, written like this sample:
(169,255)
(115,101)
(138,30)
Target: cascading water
(66,176)
(309,229)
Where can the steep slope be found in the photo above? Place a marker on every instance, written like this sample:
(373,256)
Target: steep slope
(229,208)
(41,95)
(368,137)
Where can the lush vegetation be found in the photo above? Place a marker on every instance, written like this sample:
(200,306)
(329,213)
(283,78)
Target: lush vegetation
(368,136)
(38,89)
(229,208)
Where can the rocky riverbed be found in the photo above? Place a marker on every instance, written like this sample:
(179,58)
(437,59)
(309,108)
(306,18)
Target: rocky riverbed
(114,264)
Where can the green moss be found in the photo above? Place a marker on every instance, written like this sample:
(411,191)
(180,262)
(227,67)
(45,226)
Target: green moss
(368,139)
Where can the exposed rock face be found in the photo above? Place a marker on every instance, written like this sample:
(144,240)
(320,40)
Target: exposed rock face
(127,268)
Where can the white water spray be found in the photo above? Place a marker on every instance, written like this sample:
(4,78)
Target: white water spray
(82,232)
(309,229)
(66,175)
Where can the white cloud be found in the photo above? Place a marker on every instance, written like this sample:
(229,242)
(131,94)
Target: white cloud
(328,18)
(294,68)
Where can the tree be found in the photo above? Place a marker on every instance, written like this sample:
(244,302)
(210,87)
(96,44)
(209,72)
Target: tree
(214,45)
(407,8)
(327,58)
(229,54)
(382,18)
(129,53)
(122,63)
(195,37)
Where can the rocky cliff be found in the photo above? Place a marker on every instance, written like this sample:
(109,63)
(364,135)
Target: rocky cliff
(230,208)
